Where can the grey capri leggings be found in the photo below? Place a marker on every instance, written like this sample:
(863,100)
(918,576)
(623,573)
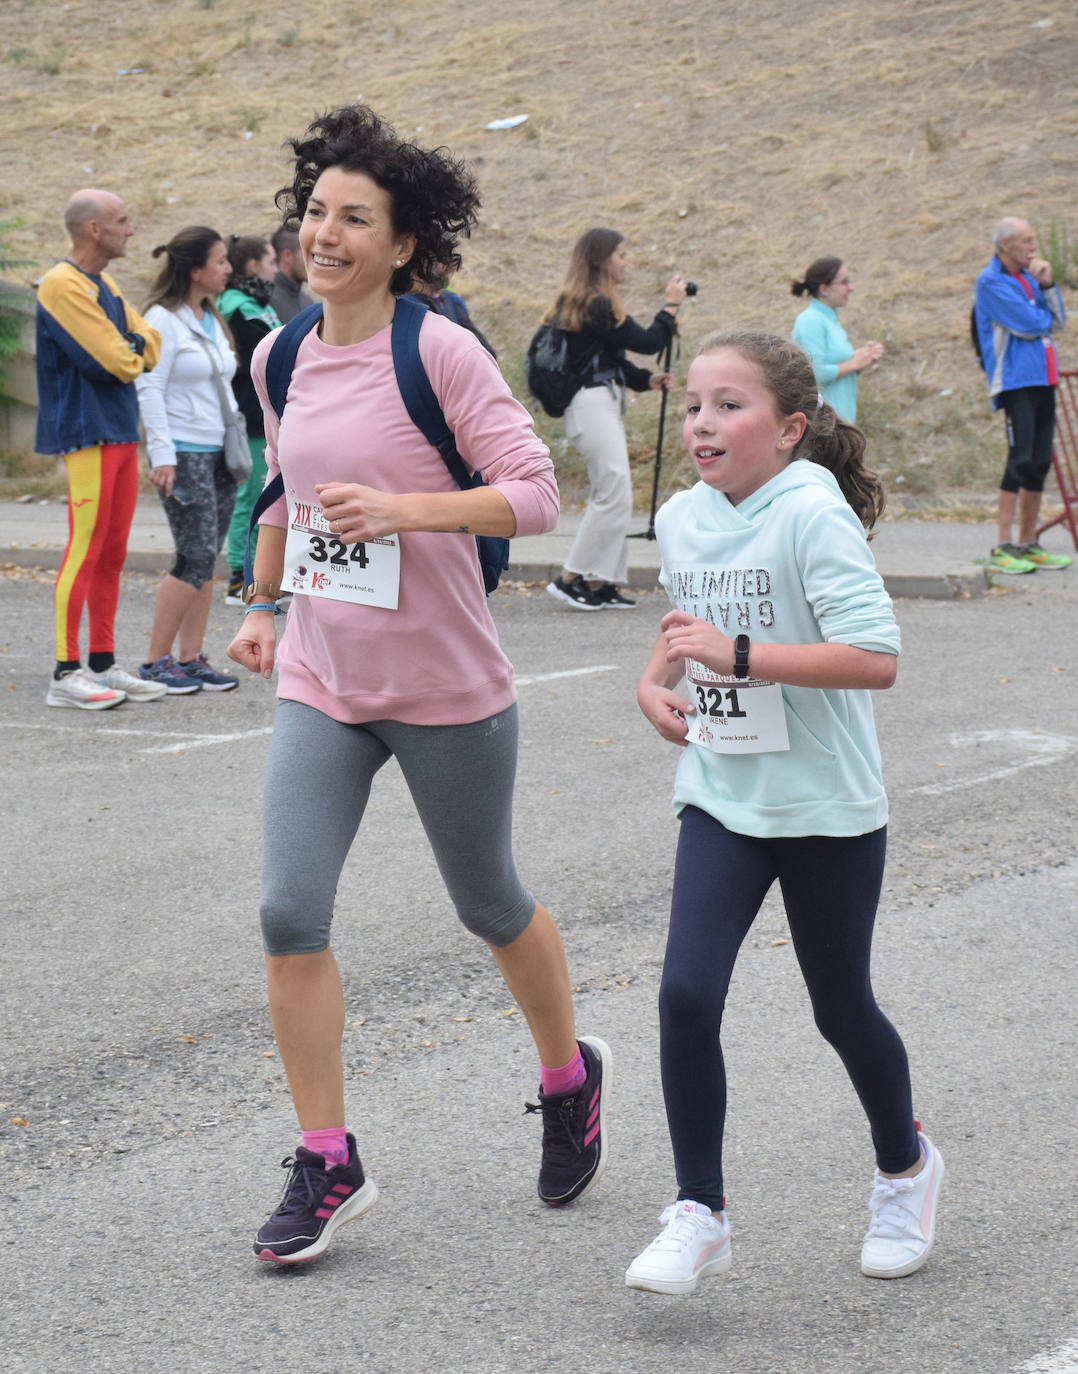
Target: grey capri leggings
(199,511)
(461,780)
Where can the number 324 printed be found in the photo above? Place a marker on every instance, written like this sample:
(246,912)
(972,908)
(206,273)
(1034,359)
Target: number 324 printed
(336,552)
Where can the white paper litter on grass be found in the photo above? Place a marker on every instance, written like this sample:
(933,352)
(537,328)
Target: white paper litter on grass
(510,123)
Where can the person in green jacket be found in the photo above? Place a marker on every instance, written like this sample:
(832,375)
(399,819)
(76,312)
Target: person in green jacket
(245,308)
(818,333)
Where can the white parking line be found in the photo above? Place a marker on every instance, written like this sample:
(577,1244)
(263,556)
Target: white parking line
(201,741)
(1062,1360)
(1039,748)
(101,729)
(526,680)
(187,739)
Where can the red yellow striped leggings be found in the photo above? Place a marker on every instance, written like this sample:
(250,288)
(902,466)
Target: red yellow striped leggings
(102,487)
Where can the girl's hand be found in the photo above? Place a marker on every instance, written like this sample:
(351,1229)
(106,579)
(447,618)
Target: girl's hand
(666,711)
(661,381)
(163,477)
(357,513)
(688,637)
(255,644)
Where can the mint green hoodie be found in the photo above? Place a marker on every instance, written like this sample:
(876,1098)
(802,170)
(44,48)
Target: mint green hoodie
(789,565)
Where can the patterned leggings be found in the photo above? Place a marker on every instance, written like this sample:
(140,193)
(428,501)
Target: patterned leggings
(199,509)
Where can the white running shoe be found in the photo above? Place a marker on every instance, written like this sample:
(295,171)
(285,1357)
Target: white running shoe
(134,688)
(82,690)
(694,1244)
(900,1234)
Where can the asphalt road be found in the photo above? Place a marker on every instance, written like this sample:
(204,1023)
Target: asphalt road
(136,1044)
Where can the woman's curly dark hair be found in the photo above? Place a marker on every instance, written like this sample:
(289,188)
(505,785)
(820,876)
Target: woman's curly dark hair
(433,195)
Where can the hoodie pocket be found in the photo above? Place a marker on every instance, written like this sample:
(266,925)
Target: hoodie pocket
(813,767)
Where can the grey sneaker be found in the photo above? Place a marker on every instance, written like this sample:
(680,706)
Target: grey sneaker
(165,669)
(134,688)
(209,678)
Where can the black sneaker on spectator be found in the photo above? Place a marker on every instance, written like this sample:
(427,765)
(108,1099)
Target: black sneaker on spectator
(610,596)
(234,595)
(575,593)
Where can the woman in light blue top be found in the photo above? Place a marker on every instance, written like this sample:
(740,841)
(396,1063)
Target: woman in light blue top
(817,331)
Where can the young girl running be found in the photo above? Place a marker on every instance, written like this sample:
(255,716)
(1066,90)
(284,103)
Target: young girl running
(781,628)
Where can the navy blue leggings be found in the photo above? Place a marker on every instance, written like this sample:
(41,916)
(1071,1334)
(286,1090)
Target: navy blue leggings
(831,886)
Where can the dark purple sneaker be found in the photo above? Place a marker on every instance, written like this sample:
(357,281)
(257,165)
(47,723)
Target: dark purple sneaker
(316,1201)
(574,1129)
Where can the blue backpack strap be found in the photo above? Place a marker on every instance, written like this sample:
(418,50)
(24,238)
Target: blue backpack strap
(282,355)
(426,414)
(417,392)
(279,367)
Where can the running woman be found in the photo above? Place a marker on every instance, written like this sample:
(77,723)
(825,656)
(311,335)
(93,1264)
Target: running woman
(782,628)
(402,661)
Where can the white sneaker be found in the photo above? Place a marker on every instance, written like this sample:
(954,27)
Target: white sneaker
(82,690)
(693,1244)
(134,688)
(899,1236)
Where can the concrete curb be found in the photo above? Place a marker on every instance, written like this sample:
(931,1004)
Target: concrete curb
(939,586)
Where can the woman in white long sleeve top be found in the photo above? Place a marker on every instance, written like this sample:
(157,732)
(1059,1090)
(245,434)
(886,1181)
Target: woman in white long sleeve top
(180,404)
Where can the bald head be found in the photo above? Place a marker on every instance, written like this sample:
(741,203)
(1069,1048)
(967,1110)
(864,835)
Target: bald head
(99,226)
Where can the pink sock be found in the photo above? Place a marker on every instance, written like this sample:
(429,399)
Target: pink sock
(566,1079)
(331,1145)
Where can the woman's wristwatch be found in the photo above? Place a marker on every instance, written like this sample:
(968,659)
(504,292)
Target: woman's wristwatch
(741,656)
(260,590)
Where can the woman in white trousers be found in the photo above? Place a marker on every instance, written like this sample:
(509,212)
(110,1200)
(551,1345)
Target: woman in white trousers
(599,332)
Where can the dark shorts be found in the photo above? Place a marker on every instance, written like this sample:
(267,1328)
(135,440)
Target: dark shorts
(1031,424)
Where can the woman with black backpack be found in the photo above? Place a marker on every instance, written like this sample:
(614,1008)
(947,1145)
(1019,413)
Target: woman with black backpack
(599,332)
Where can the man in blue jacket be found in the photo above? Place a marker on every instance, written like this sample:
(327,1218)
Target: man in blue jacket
(91,345)
(1017,308)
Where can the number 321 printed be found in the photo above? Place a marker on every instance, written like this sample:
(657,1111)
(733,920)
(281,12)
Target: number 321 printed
(710,701)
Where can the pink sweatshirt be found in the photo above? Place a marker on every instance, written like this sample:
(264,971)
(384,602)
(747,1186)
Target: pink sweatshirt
(435,660)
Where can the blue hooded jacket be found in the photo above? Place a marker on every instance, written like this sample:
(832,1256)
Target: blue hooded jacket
(1014,330)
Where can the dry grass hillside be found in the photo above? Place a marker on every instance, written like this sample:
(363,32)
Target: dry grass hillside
(735,141)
